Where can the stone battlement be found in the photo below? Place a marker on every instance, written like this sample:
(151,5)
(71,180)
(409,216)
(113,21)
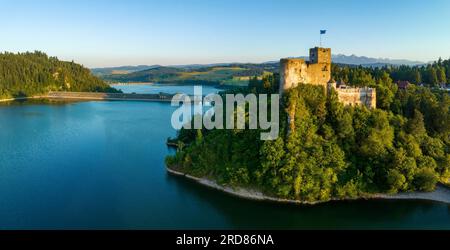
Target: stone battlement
(356,96)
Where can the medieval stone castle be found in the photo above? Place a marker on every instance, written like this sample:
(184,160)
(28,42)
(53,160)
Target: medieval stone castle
(318,72)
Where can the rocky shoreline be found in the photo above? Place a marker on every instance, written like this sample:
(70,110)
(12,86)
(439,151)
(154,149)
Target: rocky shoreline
(441,194)
(21,98)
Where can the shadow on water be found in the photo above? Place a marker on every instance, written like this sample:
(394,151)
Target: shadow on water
(359,214)
(100,165)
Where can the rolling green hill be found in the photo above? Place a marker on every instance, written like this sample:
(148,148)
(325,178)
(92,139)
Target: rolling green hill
(232,74)
(120,70)
(33,73)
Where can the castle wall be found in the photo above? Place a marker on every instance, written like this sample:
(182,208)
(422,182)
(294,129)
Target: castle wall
(297,71)
(358,96)
(292,72)
(318,72)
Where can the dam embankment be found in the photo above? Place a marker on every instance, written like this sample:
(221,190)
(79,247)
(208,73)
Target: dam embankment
(161,97)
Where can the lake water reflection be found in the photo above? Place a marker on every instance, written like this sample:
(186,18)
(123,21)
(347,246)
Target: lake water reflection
(100,165)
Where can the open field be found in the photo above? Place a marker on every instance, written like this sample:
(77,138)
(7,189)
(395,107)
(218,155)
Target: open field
(235,75)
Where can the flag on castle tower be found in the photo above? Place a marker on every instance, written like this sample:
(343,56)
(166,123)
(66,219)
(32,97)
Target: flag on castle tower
(323,32)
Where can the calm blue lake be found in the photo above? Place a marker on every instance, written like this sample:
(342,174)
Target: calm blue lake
(100,165)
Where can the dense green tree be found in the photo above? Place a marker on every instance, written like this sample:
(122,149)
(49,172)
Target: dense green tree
(417,77)
(27,74)
(416,125)
(441,75)
(406,165)
(386,91)
(328,150)
(447,74)
(425,179)
(396,181)
(432,76)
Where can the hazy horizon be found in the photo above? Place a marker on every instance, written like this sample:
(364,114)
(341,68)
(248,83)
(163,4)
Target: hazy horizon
(116,33)
(214,63)
(244,62)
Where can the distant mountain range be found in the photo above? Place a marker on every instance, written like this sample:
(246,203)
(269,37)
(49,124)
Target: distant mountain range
(366,61)
(122,70)
(369,61)
(221,73)
(341,59)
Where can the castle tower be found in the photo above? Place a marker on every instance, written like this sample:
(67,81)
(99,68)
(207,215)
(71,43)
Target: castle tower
(320,55)
(296,71)
(292,72)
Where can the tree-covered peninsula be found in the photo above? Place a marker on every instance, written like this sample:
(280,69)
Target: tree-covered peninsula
(34,73)
(331,151)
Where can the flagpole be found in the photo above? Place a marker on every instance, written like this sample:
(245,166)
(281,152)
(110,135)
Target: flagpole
(321,32)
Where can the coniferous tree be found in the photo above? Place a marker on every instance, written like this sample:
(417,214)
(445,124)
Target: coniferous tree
(32,73)
(432,76)
(441,75)
(417,77)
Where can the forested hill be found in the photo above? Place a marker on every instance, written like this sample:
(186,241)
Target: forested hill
(232,74)
(31,73)
(432,74)
(332,151)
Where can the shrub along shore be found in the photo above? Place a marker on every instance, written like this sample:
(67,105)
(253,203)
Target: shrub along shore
(327,150)
(440,194)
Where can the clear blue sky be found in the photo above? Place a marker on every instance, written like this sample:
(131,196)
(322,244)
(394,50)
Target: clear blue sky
(111,33)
